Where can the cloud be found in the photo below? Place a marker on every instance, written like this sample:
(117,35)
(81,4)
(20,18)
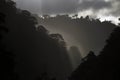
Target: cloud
(62,6)
(115,10)
(94,8)
(94,4)
(73,6)
(59,6)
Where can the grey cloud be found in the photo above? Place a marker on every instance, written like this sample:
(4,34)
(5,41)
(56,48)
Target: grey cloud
(115,10)
(94,4)
(61,6)
(73,6)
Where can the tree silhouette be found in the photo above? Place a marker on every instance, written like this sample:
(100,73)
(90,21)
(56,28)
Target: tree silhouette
(7,61)
(33,46)
(85,71)
(45,76)
(104,66)
(109,57)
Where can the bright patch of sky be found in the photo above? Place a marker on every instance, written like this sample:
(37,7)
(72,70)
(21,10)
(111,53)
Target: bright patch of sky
(103,9)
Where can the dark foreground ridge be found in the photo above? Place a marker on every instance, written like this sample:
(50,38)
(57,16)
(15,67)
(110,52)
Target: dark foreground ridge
(104,66)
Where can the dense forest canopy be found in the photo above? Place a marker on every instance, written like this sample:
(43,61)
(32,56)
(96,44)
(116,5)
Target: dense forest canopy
(36,50)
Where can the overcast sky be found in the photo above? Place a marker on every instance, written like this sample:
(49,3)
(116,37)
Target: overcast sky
(104,9)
